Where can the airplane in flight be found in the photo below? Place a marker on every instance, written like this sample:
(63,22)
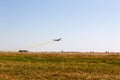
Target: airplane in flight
(59,39)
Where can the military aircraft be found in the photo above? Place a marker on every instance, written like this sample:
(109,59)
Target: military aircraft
(59,39)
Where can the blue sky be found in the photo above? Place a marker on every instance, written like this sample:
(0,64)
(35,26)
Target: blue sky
(84,25)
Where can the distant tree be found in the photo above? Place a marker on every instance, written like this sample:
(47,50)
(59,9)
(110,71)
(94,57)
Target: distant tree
(107,52)
(62,51)
(91,51)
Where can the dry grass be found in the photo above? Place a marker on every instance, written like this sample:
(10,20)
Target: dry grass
(59,66)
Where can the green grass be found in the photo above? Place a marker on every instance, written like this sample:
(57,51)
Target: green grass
(57,66)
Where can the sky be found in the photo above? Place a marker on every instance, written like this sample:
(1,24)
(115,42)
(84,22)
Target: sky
(84,25)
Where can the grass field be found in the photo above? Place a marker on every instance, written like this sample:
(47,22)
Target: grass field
(59,66)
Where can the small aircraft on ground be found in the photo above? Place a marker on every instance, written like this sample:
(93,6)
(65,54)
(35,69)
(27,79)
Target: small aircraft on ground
(59,39)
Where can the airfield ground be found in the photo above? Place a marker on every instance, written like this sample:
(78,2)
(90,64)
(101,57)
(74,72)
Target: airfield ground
(59,66)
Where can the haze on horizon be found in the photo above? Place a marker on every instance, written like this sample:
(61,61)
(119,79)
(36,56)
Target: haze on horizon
(84,25)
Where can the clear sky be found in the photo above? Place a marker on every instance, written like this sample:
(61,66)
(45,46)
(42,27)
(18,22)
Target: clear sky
(84,25)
